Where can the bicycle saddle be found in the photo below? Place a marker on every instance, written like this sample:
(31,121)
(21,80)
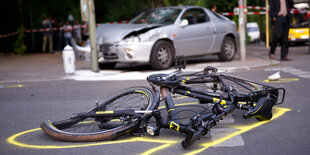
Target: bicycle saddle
(262,111)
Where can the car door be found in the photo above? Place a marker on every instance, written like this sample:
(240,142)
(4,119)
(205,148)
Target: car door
(198,36)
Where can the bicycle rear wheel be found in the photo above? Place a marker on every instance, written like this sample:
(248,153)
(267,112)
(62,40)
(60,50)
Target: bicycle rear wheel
(81,129)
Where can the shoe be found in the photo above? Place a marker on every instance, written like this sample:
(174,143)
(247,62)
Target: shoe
(286,59)
(271,56)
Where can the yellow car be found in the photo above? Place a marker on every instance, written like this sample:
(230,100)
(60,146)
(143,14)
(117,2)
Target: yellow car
(299,30)
(298,35)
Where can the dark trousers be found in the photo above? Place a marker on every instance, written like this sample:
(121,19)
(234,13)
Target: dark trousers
(280,34)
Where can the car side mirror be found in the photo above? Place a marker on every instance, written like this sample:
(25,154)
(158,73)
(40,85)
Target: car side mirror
(184,23)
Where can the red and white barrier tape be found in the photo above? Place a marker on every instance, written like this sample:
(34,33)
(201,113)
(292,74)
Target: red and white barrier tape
(260,13)
(256,7)
(54,29)
(264,8)
(236,14)
(293,11)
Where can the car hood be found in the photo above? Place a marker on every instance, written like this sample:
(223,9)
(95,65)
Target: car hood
(111,33)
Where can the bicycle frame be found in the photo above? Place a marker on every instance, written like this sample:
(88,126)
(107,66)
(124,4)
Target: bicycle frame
(199,125)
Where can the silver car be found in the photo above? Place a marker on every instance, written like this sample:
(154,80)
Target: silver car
(157,36)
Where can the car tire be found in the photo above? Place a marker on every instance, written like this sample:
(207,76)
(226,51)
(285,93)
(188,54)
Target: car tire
(162,55)
(228,49)
(107,65)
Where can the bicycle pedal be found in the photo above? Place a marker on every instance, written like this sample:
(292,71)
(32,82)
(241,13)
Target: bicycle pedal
(137,134)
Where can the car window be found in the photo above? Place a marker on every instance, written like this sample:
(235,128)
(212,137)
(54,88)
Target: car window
(157,16)
(195,16)
(218,16)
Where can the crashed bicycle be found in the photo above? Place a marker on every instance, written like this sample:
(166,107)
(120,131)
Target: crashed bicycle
(130,110)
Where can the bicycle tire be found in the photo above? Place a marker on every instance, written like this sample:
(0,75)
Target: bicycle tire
(63,130)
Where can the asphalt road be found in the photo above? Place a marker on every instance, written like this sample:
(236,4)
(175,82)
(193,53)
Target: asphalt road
(23,106)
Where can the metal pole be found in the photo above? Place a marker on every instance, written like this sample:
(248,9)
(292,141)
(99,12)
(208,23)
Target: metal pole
(267,24)
(92,35)
(309,25)
(242,30)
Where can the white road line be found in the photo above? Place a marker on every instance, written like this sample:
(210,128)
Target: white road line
(228,119)
(292,70)
(218,133)
(117,75)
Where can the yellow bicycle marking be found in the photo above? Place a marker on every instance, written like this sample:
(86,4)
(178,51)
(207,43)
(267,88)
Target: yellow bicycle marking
(282,80)
(181,104)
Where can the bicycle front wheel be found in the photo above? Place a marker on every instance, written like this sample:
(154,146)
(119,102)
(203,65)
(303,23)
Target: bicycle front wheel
(84,129)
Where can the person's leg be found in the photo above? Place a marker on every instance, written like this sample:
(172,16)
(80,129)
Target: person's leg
(69,41)
(50,41)
(66,41)
(277,33)
(60,42)
(44,43)
(284,47)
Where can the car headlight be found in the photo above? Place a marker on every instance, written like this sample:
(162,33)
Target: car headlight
(130,40)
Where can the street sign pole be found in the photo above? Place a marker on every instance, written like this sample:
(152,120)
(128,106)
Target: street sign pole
(92,35)
(309,25)
(242,32)
(84,12)
(267,24)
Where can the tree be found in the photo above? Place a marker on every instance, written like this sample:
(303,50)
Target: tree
(32,12)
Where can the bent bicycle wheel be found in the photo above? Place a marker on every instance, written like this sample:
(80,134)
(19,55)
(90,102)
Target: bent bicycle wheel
(82,129)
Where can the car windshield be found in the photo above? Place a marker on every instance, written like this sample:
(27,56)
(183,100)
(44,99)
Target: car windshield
(157,16)
(301,19)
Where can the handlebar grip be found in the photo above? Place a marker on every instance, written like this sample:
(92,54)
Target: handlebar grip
(191,138)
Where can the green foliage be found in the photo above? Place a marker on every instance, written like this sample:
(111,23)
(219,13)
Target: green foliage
(31,13)
(259,19)
(19,46)
(223,5)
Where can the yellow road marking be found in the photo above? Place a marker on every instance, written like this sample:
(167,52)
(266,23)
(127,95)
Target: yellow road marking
(12,140)
(150,151)
(166,143)
(282,80)
(12,86)
(242,129)
(181,97)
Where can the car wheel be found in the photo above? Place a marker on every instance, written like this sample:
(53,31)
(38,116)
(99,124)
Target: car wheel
(107,65)
(228,49)
(162,55)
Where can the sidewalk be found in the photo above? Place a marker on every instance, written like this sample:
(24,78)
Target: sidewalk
(49,67)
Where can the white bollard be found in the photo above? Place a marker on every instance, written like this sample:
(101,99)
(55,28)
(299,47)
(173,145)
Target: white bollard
(68,59)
